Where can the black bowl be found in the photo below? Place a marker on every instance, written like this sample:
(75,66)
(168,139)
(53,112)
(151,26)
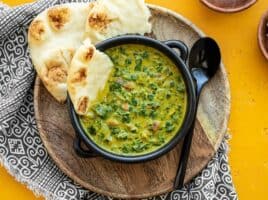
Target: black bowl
(166,47)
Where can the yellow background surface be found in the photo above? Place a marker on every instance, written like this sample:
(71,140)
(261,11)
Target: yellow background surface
(248,75)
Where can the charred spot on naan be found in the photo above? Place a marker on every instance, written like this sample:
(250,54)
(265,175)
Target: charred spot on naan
(89,54)
(37,30)
(99,20)
(80,76)
(56,71)
(58,17)
(86,54)
(83,105)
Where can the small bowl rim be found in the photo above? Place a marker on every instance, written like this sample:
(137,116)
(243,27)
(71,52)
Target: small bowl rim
(261,37)
(188,118)
(228,10)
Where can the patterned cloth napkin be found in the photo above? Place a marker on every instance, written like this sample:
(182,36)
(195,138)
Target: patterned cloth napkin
(21,150)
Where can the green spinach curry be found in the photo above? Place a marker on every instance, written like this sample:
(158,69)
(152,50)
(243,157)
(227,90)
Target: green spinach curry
(143,104)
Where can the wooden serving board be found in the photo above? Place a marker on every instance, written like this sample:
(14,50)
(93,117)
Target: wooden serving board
(150,178)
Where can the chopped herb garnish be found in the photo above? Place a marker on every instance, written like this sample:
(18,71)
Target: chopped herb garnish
(145,55)
(115,86)
(153,86)
(128,61)
(126,118)
(181,88)
(150,97)
(122,135)
(169,126)
(92,130)
(138,65)
(134,101)
(168,95)
(172,84)
(103,110)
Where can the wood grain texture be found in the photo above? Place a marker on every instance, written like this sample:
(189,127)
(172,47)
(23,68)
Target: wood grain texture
(145,179)
(228,6)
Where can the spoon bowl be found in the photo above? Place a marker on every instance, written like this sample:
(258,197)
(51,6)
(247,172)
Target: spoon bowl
(205,54)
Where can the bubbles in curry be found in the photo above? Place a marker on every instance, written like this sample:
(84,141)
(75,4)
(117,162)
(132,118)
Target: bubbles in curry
(143,104)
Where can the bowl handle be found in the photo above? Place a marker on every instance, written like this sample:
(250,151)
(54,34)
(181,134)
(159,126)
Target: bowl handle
(80,151)
(177,44)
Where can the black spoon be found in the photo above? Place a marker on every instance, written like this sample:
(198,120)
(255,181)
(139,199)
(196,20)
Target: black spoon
(204,61)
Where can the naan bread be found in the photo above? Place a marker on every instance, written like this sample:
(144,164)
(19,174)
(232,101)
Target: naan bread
(88,74)
(55,34)
(109,18)
(53,38)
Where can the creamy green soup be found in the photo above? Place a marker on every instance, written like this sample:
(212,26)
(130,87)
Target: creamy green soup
(143,104)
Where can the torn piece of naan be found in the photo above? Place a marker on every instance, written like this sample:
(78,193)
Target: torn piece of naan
(88,74)
(56,33)
(109,18)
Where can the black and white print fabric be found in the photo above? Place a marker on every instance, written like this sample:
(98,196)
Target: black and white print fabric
(21,150)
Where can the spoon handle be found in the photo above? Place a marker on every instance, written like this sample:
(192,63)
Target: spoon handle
(201,80)
(179,179)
